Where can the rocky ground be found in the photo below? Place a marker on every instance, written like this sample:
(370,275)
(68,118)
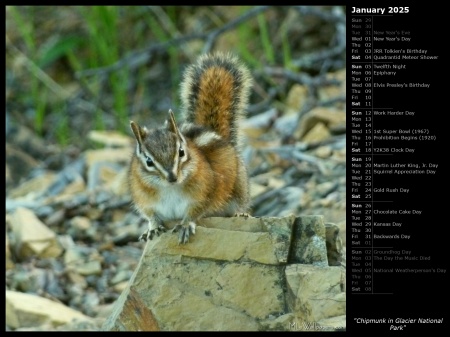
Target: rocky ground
(72,235)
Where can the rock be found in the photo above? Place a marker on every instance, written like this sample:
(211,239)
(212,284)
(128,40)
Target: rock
(121,286)
(315,292)
(81,223)
(329,117)
(29,281)
(122,275)
(329,92)
(317,133)
(18,164)
(101,173)
(256,189)
(286,124)
(230,276)
(34,145)
(323,189)
(251,247)
(334,245)
(125,234)
(33,238)
(260,121)
(296,98)
(56,218)
(323,152)
(76,186)
(77,279)
(35,186)
(26,310)
(78,325)
(309,242)
(81,262)
(119,155)
(110,138)
(9,263)
(119,183)
(74,171)
(134,316)
(89,268)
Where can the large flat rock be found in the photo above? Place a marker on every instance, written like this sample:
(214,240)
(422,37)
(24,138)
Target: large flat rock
(239,274)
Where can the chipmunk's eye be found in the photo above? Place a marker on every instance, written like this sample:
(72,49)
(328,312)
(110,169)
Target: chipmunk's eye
(181,152)
(148,161)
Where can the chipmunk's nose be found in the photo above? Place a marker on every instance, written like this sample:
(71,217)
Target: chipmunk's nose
(171,178)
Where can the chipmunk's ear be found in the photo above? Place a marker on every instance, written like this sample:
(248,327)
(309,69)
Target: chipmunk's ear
(139,133)
(172,126)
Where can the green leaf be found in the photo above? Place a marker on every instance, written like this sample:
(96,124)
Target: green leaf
(57,49)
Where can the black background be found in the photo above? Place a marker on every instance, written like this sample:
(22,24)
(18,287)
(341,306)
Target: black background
(409,296)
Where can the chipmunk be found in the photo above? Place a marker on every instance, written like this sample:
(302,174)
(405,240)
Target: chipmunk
(195,169)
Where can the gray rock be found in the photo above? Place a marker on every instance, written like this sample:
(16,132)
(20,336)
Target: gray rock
(309,243)
(235,274)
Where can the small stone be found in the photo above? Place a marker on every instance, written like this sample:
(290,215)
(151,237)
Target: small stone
(9,262)
(125,234)
(110,138)
(325,188)
(77,279)
(328,92)
(296,98)
(81,223)
(119,155)
(76,186)
(121,286)
(123,275)
(323,152)
(35,186)
(33,238)
(26,310)
(119,183)
(101,173)
(329,117)
(82,262)
(89,268)
(73,256)
(257,189)
(260,122)
(317,133)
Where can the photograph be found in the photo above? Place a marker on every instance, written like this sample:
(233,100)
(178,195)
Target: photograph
(178,168)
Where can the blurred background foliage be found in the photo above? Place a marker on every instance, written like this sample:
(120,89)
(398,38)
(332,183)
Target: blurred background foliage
(75,71)
(72,69)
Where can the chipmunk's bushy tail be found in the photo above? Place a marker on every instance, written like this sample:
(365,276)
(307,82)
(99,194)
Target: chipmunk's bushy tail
(215,92)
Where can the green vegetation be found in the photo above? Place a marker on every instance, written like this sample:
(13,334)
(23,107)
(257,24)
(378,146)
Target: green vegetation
(74,57)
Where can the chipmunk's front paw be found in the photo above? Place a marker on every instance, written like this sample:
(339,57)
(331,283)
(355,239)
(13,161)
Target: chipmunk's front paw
(150,233)
(185,231)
